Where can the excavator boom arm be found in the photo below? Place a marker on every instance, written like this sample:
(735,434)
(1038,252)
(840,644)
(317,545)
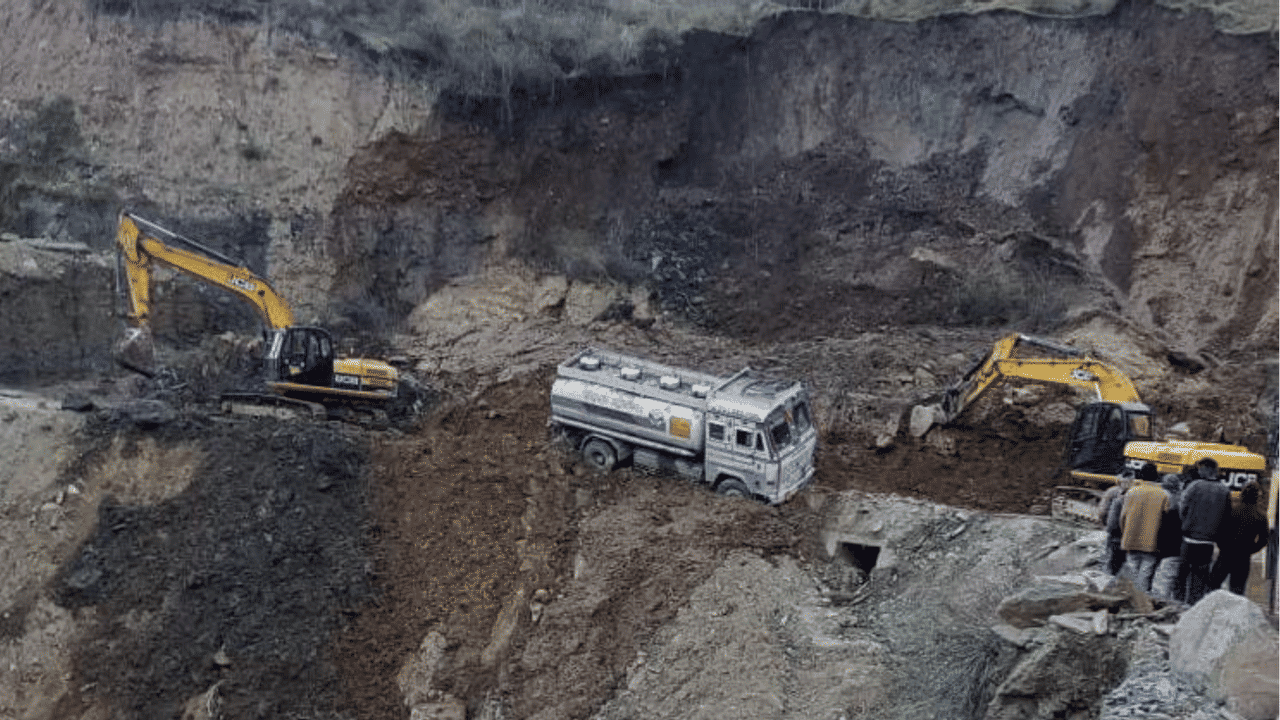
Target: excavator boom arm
(1110,384)
(141,249)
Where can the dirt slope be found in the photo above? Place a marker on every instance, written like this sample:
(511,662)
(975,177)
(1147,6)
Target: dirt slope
(860,204)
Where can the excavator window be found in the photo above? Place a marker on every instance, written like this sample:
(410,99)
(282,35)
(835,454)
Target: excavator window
(1115,425)
(307,349)
(1140,426)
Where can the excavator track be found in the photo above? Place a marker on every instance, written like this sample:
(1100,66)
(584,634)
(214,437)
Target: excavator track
(1076,504)
(277,406)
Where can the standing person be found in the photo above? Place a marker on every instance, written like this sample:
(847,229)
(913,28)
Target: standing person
(1243,533)
(1109,516)
(1203,505)
(1169,539)
(1140,515)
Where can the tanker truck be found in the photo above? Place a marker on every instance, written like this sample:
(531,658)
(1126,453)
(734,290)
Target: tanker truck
(745,435)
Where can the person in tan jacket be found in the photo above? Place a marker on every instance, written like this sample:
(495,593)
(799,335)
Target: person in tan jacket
(1144,507)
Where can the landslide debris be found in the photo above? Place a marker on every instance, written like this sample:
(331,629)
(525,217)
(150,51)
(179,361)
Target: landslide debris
(233,587)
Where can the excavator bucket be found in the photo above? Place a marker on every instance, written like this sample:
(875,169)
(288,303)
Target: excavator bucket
(137,352)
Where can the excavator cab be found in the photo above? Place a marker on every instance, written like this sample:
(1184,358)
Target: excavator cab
(1099,435)
(300,355)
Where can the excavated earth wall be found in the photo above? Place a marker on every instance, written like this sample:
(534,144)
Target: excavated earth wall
(1024,169)
(842,197)
(57,317)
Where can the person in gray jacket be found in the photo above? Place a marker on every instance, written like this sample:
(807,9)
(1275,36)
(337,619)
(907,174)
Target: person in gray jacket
(1109,514)
(1202,505)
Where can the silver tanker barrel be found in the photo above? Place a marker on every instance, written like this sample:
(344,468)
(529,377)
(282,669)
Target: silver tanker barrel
(646,403)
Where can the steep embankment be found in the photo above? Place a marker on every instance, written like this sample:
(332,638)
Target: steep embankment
(820,167)
(856,201)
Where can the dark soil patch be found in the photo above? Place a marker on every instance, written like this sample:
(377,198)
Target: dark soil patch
(983,472)
(239,581)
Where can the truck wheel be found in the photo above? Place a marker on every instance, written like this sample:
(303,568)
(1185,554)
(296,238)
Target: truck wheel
(599,455)
(733,489)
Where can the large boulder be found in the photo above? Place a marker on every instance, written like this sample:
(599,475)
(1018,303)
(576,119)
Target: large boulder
(922,418)
(1032,606)
(1066,676)
(146,414)
(1225,645)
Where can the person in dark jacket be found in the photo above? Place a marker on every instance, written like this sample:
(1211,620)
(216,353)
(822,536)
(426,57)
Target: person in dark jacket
(1243,533)
(1169,541)
(1203,505)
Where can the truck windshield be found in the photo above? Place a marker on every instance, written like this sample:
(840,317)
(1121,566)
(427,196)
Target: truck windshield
(780,431)
(785,424)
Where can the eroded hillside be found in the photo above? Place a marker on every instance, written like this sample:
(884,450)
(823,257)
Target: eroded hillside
(862,198)
(1024,170)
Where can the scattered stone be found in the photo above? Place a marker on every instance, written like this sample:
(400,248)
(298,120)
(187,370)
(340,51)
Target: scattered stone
(147,414)
(1022,637)
(642,311)
(416,677)
(447,708)
(1138,601)
(550,293)
(504,627)
(205,706)
(1025,396)
(584,302)
(1083,552)
(885,439)
(941,442)
(1067,674)
(1032,606)
(1083,622)
(77,402)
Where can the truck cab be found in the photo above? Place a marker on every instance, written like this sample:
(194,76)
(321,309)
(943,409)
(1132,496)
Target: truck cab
(760,438)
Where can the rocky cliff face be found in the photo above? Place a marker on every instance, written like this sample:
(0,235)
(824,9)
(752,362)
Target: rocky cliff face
(857,196)
(816,175)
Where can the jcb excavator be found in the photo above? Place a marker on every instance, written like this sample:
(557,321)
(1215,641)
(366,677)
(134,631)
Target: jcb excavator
(1109,436)
(299,362)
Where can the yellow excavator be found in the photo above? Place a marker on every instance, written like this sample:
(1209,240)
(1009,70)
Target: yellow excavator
(1110,436)
(299,362)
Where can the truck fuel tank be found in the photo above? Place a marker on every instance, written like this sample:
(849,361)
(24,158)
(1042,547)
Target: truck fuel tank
(636,415)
